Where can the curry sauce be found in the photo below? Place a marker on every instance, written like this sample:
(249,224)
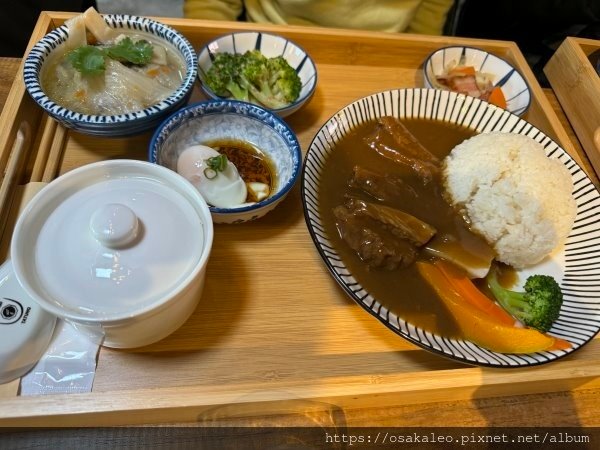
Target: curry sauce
(403,291)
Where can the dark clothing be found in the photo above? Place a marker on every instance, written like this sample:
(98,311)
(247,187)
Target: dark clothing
(537,26)
(18,19)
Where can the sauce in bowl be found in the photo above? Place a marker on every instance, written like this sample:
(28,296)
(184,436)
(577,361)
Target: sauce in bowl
(253,165)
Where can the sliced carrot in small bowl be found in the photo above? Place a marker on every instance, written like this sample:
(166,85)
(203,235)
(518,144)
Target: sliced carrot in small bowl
(497,98)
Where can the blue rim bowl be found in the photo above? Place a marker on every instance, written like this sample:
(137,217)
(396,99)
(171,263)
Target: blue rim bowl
(513,84)
(121,124)
(270,45)
(190,118)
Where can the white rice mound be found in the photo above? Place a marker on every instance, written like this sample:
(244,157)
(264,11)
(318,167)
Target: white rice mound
(512,194)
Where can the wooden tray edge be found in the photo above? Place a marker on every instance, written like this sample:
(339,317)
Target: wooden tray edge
(198,403)
(143,406)
(577,87)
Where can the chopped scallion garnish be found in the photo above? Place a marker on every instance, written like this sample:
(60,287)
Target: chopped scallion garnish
(215,164)
(210,173)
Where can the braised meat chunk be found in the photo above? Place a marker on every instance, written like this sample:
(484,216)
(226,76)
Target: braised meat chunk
(399,223)
(383,237)
(378,248)
(385,188)
(406,140)
(392,140)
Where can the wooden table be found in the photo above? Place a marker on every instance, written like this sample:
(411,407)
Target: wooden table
(577,408)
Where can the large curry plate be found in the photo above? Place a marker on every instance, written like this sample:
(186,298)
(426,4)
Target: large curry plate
(576,266)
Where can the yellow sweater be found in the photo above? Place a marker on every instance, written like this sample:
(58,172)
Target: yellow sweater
(409,16)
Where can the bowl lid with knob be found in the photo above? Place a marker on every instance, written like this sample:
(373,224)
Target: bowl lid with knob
(111,240)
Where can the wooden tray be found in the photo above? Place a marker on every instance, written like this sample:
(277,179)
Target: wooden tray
(273,332)
(577,87)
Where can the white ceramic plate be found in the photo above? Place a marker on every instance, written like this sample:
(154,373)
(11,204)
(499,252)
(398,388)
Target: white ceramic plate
(576,267)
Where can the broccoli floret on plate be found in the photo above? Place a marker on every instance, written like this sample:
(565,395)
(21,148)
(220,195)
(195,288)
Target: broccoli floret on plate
(538,307)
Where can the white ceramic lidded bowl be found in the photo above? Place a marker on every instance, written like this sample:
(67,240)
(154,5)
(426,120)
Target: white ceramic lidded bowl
(116,247)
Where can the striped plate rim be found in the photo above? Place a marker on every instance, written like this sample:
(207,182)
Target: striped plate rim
(579,319)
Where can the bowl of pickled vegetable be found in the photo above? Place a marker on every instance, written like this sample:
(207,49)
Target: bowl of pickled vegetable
(260,68)
(111,75)
(477,73)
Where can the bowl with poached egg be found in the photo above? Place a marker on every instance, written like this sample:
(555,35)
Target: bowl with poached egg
(242,158)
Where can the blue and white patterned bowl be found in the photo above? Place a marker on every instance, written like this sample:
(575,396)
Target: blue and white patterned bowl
(115,125)
(513,85)
(270,45)
(573,266)
(230,119)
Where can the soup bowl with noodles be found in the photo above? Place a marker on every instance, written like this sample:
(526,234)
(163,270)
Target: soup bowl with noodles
(112,75)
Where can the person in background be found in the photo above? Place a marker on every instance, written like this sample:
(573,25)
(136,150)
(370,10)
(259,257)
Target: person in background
(407,16)
(537,26)
(18,19)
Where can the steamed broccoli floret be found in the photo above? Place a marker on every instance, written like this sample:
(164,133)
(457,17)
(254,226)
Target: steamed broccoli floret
(251,76)
(538,307)
(256,77)
(285,82)
(222,76)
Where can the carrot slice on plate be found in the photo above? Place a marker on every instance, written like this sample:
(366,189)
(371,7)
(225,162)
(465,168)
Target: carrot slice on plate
(469,292)
(480,328)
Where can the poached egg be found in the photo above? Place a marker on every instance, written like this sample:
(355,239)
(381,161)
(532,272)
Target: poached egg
(223,189)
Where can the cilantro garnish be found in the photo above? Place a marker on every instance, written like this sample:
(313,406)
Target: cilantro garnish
(139,52)
(90,60)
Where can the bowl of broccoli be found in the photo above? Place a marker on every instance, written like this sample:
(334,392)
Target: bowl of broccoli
(260,68)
